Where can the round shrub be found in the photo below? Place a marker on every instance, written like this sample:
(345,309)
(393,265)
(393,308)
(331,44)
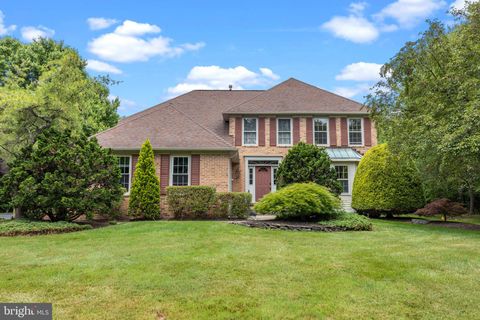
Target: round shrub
(386,184)
(350,221)
(300,201)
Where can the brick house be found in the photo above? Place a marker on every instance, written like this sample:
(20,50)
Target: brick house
(234,140)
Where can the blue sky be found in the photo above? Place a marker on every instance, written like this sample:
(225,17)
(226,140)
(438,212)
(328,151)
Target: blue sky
(159,49)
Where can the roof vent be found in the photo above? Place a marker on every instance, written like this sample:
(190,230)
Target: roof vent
(230,87)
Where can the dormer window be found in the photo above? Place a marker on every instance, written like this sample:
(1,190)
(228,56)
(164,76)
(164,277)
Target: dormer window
(355,132)
(320,131)
(284,132)
(250,131)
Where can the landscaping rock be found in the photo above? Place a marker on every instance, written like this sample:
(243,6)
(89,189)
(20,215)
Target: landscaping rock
(420,221)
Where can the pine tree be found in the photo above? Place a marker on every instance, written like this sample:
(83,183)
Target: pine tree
(145,193)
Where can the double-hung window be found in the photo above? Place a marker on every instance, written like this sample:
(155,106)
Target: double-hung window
(250,131)
(320,131)
(342,177)
(355,132)
(180,171)
(284,132)
(124,165)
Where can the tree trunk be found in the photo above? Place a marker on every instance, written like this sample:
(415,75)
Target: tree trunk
(471,195)
(18,213)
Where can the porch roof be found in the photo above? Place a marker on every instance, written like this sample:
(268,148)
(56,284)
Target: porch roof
(343,154)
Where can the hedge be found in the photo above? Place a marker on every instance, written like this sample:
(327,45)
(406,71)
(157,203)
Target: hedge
(190,202)
(232,205)
(304,201)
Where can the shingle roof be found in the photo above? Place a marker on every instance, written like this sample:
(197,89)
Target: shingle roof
(296,97)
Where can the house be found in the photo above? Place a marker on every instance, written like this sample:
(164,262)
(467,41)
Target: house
(234,140)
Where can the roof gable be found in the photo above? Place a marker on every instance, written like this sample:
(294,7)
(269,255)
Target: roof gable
(296,97)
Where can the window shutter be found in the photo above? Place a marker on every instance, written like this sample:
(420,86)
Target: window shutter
(309,130)
(164,172)
(238,131)
(344,132)
(296,130)
(367,129)
(261,132)
(195,168)
(273,132)
(134,164)
(332,131)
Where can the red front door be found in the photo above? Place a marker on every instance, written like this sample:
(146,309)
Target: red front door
(263,181)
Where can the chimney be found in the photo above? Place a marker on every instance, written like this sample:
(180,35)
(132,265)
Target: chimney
(230,87)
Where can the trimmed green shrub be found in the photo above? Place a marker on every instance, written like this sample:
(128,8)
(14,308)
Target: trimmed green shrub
(300,201)
(25,227)
(350,221)
(308,163)
(145,193)
(232,205)
(190,202)
(444,207)
(386,184)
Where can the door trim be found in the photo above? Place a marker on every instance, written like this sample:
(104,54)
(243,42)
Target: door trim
(251,188)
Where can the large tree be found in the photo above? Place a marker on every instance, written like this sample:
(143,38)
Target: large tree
(62,176)
(44,84)
(428,105)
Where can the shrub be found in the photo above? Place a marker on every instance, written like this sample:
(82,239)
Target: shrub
(386,183)
(444,207)
(232,205)
(25,227)
(350,221)
(190,202)
(300,201)
(308,163)
(63,176)
(145,194)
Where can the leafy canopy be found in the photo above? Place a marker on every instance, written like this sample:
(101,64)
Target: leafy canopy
(43,85)
(145,193)
(63,176)
(308,163)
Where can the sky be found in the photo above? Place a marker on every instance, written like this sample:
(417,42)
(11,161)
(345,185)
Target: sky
(160,49)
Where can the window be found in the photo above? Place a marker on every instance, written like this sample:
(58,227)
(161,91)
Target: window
(284,132)
(249,131)
(342,177)
(250,176)
(180,171)
(355,134)
(124,165)
(320,131)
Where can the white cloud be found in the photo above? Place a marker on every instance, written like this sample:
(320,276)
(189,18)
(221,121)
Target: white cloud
(360,71)
(460,4)
(350,92)
(100,66)
(215,77)
(4,30)
(32,33)
(125,104)
(100,23)
(353,27)
(125,44)
(408,13)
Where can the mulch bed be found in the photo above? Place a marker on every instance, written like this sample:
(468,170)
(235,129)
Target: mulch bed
(455,225)
(287,225)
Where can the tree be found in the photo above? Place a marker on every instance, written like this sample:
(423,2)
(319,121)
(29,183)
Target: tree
(386,183)
(308,163)
(426,105)
(44,85)
(63,176)
(145,193)
(444,207)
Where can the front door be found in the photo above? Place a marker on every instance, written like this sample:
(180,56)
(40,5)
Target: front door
(263,181)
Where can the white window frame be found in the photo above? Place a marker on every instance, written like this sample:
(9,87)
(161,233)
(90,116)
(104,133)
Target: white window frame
(291,133)
(328,131)
(335,165)
(170,182)
(129,171)
(256,133)
(361,132)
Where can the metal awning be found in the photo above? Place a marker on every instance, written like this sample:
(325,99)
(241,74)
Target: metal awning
(343,154)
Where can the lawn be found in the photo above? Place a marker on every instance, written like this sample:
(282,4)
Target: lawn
(213,270)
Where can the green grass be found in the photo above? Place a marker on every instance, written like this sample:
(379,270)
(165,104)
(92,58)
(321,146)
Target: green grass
(25,227)
(213,270)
